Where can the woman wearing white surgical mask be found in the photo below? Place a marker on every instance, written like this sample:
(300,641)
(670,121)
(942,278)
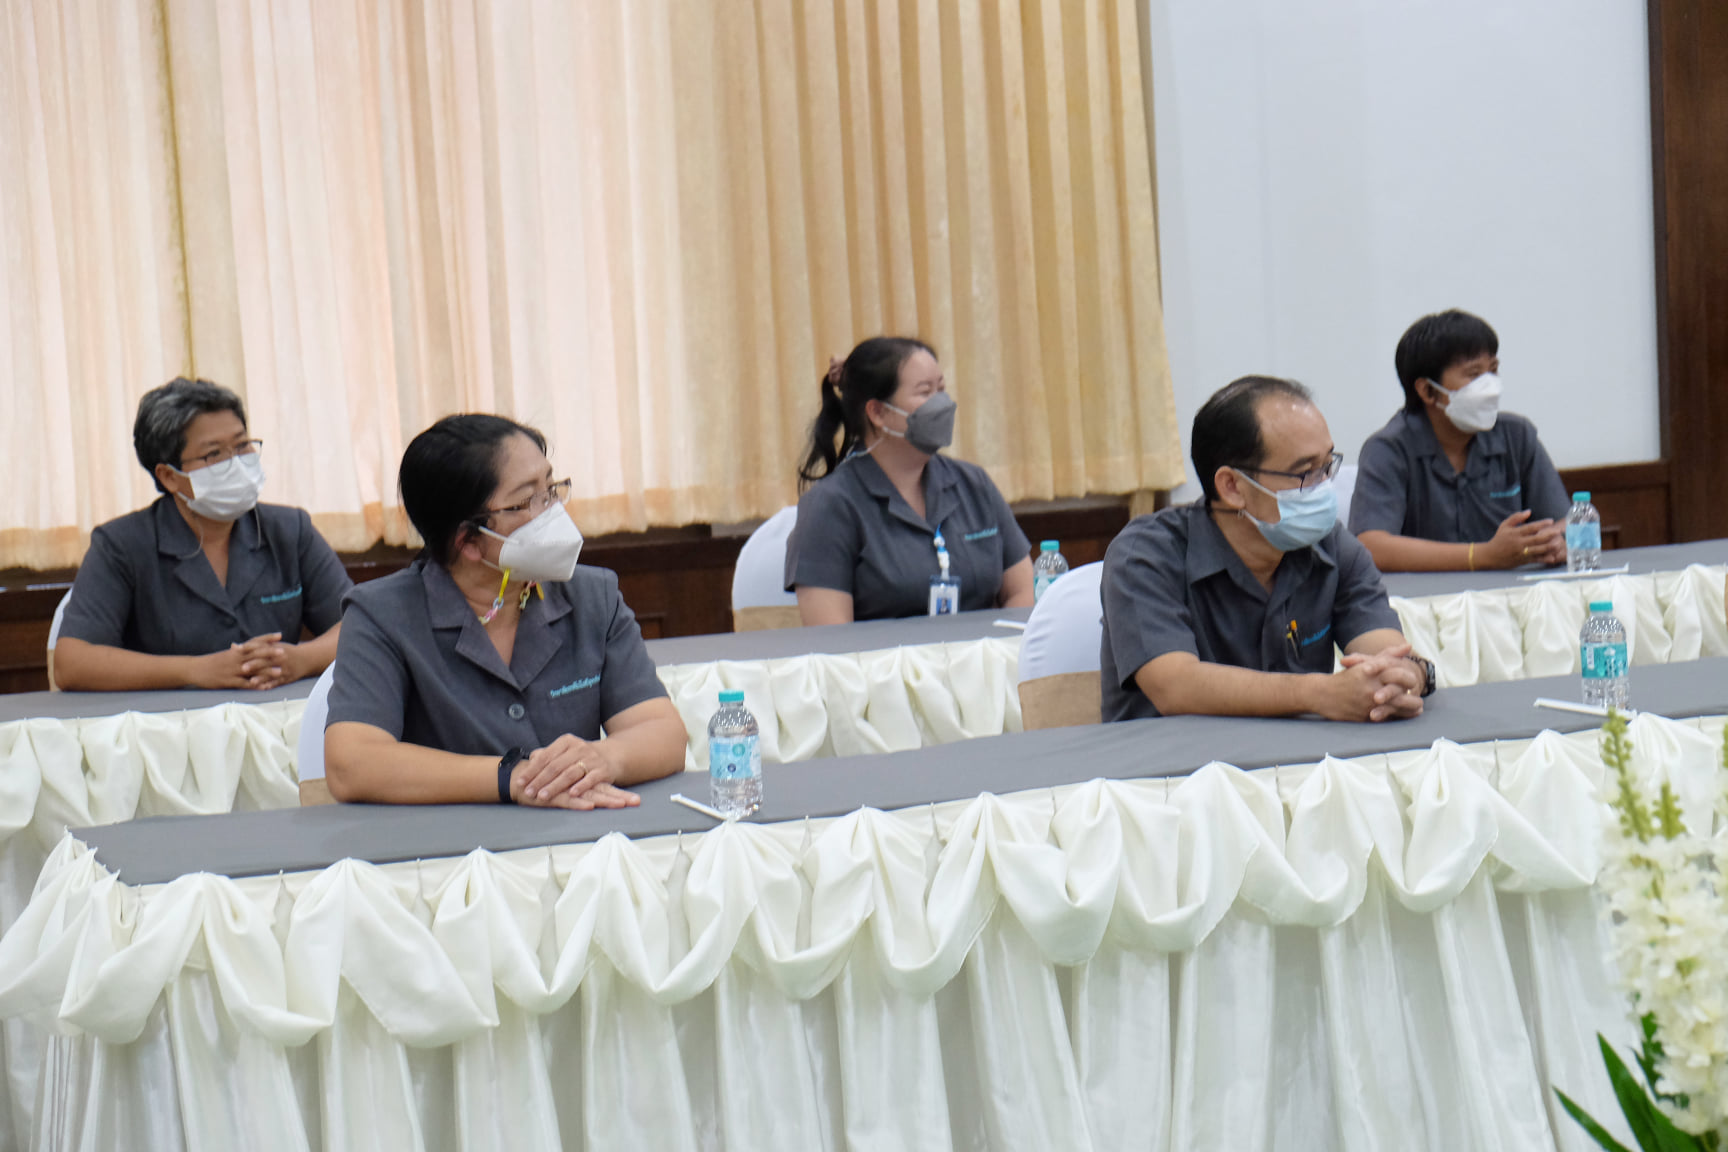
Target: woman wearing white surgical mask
(1452,483)
(488,669)
(206,588)
(880,491)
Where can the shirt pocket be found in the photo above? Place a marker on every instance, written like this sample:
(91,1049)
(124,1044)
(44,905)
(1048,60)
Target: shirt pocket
(284,609)
(1506,494)
(1313,650)
(572,701)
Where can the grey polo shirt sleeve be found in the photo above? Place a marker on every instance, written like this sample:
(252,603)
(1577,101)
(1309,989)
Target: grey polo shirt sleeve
(322,576)
(823,550)
(1382,488)
(102,594)
(1361,605)
(1145,593)
(371,682)
(1545,493)
(629,678)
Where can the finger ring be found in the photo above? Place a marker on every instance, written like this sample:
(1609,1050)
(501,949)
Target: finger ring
(1526,551)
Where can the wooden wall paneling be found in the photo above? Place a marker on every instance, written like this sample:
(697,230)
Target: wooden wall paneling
(1689,153)
(1633,500)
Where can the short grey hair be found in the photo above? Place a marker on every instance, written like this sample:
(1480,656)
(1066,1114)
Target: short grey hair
(159,433)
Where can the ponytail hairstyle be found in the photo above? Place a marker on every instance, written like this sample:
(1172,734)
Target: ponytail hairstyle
(871,372)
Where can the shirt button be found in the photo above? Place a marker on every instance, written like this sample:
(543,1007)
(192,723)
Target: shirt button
(517,711)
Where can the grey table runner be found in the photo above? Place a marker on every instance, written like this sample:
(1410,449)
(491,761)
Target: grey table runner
(834,639)
(1665,558)
(259,843)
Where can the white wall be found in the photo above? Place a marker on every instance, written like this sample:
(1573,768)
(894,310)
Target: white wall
(1330,170)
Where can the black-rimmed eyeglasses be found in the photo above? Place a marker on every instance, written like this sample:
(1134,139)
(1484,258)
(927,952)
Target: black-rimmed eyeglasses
(1312,478)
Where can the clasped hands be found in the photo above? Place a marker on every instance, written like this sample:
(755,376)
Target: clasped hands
(1386,685)
(571,773)
(261,662)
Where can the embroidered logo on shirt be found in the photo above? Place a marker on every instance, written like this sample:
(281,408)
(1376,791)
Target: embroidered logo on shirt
(1512,491)
(1318,636)
(575,686)
(292,594)
(983,533)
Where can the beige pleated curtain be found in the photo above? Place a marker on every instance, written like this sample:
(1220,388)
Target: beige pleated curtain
(643,225)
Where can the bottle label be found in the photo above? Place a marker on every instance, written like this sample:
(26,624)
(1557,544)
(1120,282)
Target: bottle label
(1040,583)
(1604,661)
(944,595)
(735,757)
(1583,537)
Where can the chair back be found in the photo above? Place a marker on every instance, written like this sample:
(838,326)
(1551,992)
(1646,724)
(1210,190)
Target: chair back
(1059,678)
(54,636)
(1345,484)
(759,596)
(310,750)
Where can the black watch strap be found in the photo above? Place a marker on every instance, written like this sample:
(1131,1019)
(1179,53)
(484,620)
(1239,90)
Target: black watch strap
(1430,680)
(505,767)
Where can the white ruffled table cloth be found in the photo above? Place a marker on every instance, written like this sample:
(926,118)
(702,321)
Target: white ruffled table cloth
(1531,630)
(56,773)
(1400,952)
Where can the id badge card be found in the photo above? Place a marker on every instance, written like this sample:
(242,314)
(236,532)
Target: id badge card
(944,595)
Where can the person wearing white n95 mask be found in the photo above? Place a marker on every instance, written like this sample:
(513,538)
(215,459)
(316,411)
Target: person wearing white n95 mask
(207,587)
(1452,483)
(489,669)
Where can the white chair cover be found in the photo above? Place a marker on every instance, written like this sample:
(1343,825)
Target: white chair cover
(1066,627)
(1345,485)
(758,579)
(59,616)
(310,746)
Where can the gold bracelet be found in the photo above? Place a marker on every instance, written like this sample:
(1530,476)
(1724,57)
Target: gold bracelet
(1471,557)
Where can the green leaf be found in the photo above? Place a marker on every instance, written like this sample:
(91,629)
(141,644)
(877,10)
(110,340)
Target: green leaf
(1654,1131)
(1595,1130)
(1649,1051)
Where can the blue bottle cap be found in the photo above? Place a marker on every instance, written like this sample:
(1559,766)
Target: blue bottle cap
(1580,497)
(1601,606)
(1048,546)
(731,697)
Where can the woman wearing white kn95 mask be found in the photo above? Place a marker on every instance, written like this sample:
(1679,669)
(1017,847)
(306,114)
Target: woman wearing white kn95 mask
(1452,482)
(488,669)
(207,587)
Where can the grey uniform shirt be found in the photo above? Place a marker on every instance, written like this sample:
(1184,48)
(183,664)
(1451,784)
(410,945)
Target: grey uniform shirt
(145,584)
(1172,583)
(1405,485)
(856,534)
(415,661)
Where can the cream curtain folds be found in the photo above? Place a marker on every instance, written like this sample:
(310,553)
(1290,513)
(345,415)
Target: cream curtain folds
(91,302)
(643,226)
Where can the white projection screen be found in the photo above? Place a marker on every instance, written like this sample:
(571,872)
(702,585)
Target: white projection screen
(1330,170)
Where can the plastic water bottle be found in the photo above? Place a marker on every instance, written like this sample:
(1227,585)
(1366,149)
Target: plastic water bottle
(944,586)
(1050,565)
(1583,535)
(1602,647)
(734,758)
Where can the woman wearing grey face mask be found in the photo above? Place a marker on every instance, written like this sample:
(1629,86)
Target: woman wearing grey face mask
(207,587)
(881,498)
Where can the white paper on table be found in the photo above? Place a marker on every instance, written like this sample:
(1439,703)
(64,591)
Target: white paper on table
(1593,573)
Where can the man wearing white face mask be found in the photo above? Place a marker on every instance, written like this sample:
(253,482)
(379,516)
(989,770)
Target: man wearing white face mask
(488,669)
(1452,483)
(1232,605)
(206,588)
